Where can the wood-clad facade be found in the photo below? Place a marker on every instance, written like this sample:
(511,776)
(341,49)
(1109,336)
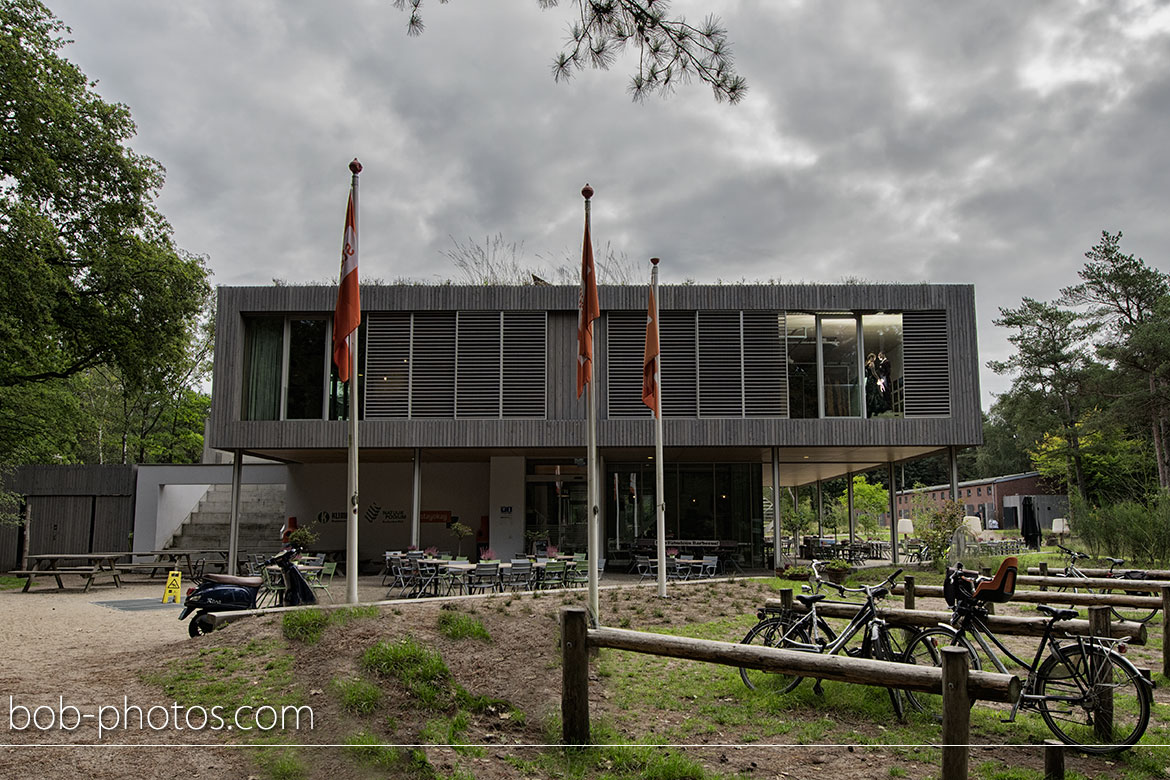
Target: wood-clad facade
(460,374)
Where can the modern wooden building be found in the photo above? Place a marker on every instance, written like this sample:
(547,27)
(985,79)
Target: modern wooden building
(469,412)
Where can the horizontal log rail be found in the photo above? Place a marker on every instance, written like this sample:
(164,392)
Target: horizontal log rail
(1150,574)
(863,671)
(999,624)
(1097,583)
(1053,597)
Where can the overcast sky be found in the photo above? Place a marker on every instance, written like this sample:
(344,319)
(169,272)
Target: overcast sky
(986,143)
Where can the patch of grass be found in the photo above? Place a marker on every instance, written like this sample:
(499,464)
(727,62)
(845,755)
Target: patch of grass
(420,669)
(281,764)
(365,748)
(457,625)
(256,674)
(361,697)
(11,583)
(307,625)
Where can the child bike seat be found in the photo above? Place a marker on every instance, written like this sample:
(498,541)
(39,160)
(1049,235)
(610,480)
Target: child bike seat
(999,588)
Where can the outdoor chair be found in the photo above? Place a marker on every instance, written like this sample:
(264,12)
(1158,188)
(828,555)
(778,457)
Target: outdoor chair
(321,580)
(426,579)
(553,576)
(485,577)
(518,576)
(576,575)
(452,580)
(646,567)
(708,566)
(272,587)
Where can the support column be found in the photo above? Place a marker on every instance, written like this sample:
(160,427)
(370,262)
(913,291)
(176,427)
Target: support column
(820,511)
(777,526)
(234,521)
(893,514)
(416,500)
(849,507)
(952,454)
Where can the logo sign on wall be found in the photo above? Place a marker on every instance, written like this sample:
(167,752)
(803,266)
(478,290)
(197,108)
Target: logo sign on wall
(372,512)
(435,516)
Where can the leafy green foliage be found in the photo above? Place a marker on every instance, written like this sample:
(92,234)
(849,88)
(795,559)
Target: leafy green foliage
(935,525)
(357,695)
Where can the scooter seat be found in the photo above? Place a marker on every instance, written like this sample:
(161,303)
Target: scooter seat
(231,579)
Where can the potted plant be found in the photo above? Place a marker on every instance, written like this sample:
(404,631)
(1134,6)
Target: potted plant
(837,570)
(302,539)
(460,531)
(800,573)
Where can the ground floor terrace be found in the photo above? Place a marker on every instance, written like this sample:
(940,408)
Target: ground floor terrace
(718,500)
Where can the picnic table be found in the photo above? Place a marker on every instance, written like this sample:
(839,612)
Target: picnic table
(168,560)
(88,565)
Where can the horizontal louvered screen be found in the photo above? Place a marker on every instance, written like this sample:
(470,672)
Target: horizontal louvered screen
(765,382)
(720,364)
(625,333)
(524,364)
(478,364)
(926,366)
(432,374)
(680,364)
(387,365)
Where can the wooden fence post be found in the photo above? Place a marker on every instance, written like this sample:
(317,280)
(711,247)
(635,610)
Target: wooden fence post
(786,599)
(574,676)
(1103,716)
(1053,760)
(956,716)
(1166,630)
(908,593)
(1043,573)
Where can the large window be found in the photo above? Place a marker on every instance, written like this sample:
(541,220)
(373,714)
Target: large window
(841,375)
(288,370)
(882,335)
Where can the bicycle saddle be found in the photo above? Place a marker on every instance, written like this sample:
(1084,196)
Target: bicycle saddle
(1057,614)
(809,599)
(1116,561)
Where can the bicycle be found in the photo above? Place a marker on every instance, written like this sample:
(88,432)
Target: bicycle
(810,633)
(1139,614)
(1088,694)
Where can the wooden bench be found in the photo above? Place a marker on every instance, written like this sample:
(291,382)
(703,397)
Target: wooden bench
(90,573)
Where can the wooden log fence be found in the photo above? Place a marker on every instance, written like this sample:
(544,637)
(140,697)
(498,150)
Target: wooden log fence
(1000,624)
(954,681)
(1150,574)
(1094,583)
(1049,597)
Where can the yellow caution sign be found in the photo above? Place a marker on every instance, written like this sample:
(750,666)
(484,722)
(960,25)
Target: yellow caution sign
(174,586)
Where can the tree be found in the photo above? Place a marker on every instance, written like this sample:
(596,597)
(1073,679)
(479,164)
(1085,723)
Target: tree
(88,273)
(1053,370)
(670,50)
(1123,296)
(870,501)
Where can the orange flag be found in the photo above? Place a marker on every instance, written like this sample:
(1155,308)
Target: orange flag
(587,305)
(650,366)
(348,314)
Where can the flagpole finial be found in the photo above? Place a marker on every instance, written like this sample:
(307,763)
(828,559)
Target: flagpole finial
(654,261)
(586,192)
(355,166)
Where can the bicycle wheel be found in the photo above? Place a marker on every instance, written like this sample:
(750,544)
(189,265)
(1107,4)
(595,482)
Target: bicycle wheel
(772,633)
(926,650)
(1137,614)
(887,650)
(1099,702)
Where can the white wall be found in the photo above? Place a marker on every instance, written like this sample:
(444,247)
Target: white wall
(316,497)
(175,502)
(506,502)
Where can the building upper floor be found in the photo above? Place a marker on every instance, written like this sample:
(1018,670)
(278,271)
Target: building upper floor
(495,367)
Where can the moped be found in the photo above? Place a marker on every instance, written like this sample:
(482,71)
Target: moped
(229,593)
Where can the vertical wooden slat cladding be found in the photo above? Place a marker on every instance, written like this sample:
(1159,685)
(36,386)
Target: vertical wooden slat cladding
(525,364)
(59,524)
(720,360)
(926,366)
(562,367)
(113,480)
(113,520)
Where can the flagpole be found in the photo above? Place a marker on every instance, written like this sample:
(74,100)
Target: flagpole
(659,473)
(351,529)
(593,513)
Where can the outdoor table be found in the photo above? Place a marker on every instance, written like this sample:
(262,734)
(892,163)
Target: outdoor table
(168,560)
(91,566)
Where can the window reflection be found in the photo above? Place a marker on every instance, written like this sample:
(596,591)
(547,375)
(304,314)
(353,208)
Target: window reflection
(800,335)
(841,370)
(882,334)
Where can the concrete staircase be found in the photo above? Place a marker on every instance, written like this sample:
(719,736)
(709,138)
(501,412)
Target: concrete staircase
(262,513)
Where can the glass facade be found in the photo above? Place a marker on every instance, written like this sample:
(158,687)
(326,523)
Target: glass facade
(882,336)
(841,374)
